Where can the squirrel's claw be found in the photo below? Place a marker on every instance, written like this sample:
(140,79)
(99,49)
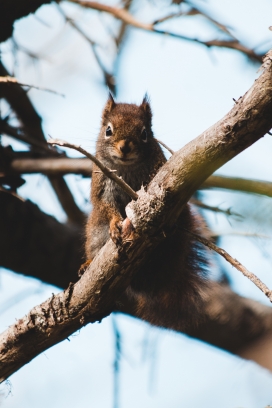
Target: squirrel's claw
(121,232)
(116,231)
(83,267)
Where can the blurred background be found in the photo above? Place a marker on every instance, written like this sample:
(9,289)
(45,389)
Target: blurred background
(200,56)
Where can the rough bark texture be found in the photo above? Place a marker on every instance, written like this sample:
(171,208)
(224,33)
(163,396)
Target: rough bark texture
(231,321)
(156,210)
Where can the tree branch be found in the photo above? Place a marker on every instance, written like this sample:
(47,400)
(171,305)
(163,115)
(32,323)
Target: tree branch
(155,210)
(239,184)
(49,166)
(127,18)
(36,244)
(12,80)
(251,276)
(22,106)
(230,322)
(60,166)
(204,206)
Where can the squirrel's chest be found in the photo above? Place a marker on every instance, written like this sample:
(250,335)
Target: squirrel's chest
(115,196)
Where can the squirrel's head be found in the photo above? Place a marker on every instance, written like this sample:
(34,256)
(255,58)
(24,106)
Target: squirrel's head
(126,136)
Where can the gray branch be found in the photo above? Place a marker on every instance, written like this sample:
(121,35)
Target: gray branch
(156,209)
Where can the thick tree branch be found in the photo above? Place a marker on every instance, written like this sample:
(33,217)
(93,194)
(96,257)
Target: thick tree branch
(155,210)
(22,106)
(35,244)
(231,321)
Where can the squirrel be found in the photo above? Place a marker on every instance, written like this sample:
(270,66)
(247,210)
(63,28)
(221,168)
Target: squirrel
(167,289)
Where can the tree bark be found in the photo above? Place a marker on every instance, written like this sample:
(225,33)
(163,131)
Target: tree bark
(155,211)
(29,238)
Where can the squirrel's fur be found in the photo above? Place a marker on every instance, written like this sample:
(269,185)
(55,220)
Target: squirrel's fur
(166,291)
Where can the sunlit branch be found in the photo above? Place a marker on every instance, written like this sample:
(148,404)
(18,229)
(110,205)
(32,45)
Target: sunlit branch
(239,184)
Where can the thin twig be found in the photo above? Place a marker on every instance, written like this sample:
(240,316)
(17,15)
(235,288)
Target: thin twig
(241,234)
(108,172)
(169,17)
(108,78)
(228,211)
(128,18)
(12,80)
(251,276)
(165,146)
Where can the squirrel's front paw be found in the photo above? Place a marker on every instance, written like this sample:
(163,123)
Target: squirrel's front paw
(116,230)
(83,267)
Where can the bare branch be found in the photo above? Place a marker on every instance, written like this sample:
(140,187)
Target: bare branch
(18,99)
(227,212)
(50,166)
(157,209)
(109,78)
(121,34)
(239,184)
(12,80)
(62,166)
(194,11)
(169,17)
(127,18)
(119,13)
(108,172)
(165,146)
(230,322)
(260,285)
(241,234)
(36,244)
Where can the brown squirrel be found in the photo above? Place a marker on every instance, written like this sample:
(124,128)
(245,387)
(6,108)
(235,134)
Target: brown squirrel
(166,291)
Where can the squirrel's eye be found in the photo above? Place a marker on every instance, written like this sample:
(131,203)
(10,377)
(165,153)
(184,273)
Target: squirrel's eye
(144,135)
(108,131)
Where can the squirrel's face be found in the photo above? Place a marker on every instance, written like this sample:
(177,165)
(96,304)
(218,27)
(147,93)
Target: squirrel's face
(126,134)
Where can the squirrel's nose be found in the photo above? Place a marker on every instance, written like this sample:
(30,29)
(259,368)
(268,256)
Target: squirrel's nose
(125,148)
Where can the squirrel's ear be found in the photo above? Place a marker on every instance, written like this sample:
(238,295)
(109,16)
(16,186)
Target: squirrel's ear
(145,106)
(109,105)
